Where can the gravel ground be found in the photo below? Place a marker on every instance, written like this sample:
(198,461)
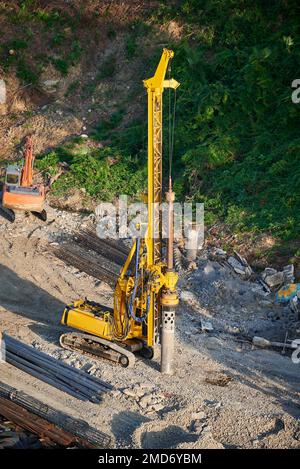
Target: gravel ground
(224,393)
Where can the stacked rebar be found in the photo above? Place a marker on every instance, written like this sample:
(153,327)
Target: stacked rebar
(88,436)
(114,251)
(75,382)
(85,262)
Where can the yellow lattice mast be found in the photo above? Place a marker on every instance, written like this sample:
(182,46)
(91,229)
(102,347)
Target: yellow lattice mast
(155,87)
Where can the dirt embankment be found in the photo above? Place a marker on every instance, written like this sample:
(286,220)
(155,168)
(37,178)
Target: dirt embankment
(72,66)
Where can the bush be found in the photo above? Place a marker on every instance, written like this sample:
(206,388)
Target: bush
(237,132)
(103,173)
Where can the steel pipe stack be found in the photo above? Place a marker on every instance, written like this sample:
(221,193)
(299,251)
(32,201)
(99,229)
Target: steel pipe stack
(64,377)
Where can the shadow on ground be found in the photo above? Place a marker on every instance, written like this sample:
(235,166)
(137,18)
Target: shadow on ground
(124,424)
(24,298)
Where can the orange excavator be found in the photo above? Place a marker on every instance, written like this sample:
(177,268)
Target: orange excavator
(19,192)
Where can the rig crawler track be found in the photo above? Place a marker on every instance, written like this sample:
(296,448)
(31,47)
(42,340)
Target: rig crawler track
(97,347)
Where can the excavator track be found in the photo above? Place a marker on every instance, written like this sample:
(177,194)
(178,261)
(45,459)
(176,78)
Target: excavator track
(8,214)
(97,347)
(40,215)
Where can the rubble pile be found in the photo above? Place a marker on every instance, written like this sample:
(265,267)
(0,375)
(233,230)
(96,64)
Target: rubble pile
(149,398)
(232,298)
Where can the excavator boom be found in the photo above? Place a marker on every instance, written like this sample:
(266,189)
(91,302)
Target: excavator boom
(27,170)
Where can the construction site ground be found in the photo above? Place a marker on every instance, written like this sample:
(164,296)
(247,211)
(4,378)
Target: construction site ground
(224,394)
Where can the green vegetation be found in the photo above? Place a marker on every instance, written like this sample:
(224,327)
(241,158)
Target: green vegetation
(72,88)
(237,144)
(106,127)
(103,172)
(237,139)
(137,29)
(52,27)
(26,74)
(62,64)
(111,33)
(131,47)
(108,68)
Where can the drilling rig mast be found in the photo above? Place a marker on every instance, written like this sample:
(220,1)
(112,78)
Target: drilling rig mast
(146,299)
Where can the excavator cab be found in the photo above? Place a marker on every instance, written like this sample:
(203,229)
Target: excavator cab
(13,176)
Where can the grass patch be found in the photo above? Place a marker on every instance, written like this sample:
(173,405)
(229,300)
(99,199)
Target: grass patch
(103,173)
(108,68)
(26,73)
(131,47)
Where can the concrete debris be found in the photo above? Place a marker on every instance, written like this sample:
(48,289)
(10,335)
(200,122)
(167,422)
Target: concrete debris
(288,272)
(267,272)
(235,264)
(206,326)
(261,289)
(188,297)
(240,265)
(148,399)
(241,259)
(157,407)
(233,304)
(147,385)
(213,343)
(295,305)
(198,426)
(117,394)
(274,279)
(129,392)
(145,401)
(218,254)
(199,415)
(214,404)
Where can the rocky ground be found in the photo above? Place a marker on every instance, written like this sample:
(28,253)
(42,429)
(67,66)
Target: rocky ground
(225,392)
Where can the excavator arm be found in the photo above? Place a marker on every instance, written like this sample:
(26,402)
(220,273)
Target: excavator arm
(27,170)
